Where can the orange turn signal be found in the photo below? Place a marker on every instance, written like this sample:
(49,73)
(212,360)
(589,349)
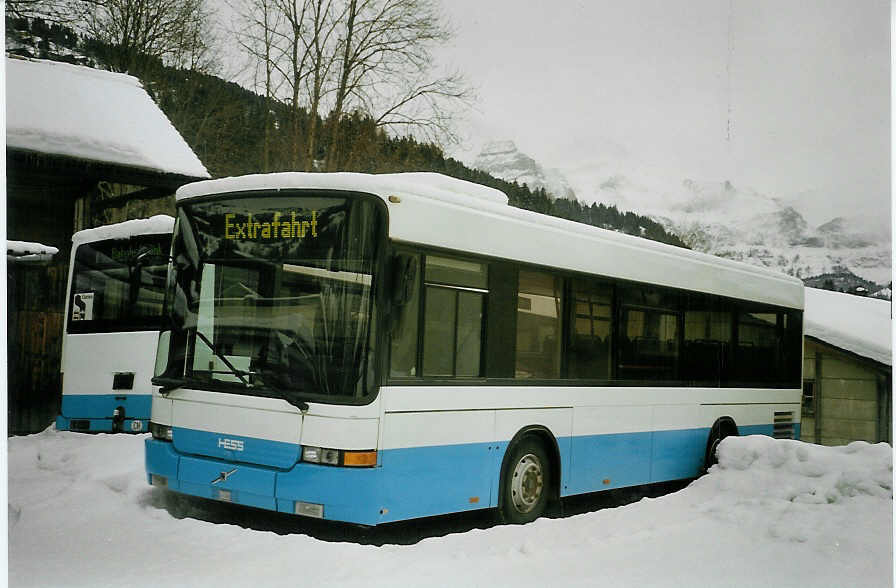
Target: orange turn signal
(359,459)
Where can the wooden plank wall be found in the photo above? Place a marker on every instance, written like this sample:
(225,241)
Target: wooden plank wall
(849,404)
(35,298)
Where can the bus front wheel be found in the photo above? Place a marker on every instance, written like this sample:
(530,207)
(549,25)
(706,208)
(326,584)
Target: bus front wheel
(526,482)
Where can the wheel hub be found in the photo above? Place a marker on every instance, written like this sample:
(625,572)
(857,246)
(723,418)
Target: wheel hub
(527,483)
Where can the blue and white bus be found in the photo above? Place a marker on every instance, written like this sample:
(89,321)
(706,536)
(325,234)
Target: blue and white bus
(116,290)
(373,348)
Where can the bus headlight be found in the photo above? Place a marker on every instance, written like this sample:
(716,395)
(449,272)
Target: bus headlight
(338,457)
(161,432)
(311,454)
(320,455)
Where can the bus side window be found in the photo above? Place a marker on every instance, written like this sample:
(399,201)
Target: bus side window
(758,347)
(648,334)
(454,296)
(707,340)
(539,314)
(403,358)
(590,329)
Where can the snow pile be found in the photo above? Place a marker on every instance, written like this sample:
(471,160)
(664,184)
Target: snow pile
(798,492)
(855,323)
(160,223)
(772,512)
(75,111)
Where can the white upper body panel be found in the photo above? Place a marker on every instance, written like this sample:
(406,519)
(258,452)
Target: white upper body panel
(91,361)
(439,211)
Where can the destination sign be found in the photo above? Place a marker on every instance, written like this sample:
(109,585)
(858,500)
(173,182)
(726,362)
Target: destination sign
(127,253)
(278,226)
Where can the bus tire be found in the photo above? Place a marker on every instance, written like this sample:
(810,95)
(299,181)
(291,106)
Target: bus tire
(721,429)
(526,482)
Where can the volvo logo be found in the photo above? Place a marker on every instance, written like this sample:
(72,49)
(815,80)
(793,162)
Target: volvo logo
(223,477)
(231,444)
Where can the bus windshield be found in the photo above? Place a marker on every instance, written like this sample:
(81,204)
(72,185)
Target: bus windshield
(271,295)
(119,284)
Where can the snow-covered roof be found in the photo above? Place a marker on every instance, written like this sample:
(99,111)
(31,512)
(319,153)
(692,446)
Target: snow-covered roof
(160,223)
(857,324)
(25,251)
(439,211)
(70,110)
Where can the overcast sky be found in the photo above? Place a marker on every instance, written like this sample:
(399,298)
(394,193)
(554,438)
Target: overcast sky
(806,84)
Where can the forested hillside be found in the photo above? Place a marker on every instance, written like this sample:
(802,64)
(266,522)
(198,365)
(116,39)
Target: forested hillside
(235,131)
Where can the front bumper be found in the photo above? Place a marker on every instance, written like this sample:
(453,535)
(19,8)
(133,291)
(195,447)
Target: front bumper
(346,494)
(102,425)
(92,413)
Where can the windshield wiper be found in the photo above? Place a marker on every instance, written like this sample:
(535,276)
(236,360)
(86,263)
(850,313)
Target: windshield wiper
(236,372)
(266,382)
(167,384)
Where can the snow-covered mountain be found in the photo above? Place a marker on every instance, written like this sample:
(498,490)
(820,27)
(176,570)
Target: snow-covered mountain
(740,223)
(716,217)
(503,160)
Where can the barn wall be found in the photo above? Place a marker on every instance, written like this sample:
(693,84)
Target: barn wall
(35,298)
(852,399)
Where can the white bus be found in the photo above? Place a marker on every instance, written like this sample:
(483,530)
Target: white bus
(116,289)
(373,348)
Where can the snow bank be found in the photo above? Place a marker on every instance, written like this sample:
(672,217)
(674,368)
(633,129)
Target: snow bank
(62,109)
(855,323)
(160,223)
(798,492)
(772,512)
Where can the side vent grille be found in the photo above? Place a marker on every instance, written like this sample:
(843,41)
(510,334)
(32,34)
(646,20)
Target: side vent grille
(783,425)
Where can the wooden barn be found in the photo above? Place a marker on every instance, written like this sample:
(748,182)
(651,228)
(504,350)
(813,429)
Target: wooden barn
(85,148)
(847,369)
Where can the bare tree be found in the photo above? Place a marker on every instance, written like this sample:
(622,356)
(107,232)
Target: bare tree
(322,24)
(386,69)
(256,26)
(174,32)
(340,57)
(292,41)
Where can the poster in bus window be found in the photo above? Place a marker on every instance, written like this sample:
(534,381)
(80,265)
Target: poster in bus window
(82,309)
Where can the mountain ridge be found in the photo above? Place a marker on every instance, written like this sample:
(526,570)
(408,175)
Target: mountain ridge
(504,160)
(736,222)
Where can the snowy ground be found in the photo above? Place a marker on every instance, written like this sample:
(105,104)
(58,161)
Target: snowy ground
(772,513)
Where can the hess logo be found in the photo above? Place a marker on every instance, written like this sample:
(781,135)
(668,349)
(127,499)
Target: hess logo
(231,444)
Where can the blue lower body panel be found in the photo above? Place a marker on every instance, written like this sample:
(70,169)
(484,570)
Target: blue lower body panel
(604,462)
(93,412)
(425,481)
